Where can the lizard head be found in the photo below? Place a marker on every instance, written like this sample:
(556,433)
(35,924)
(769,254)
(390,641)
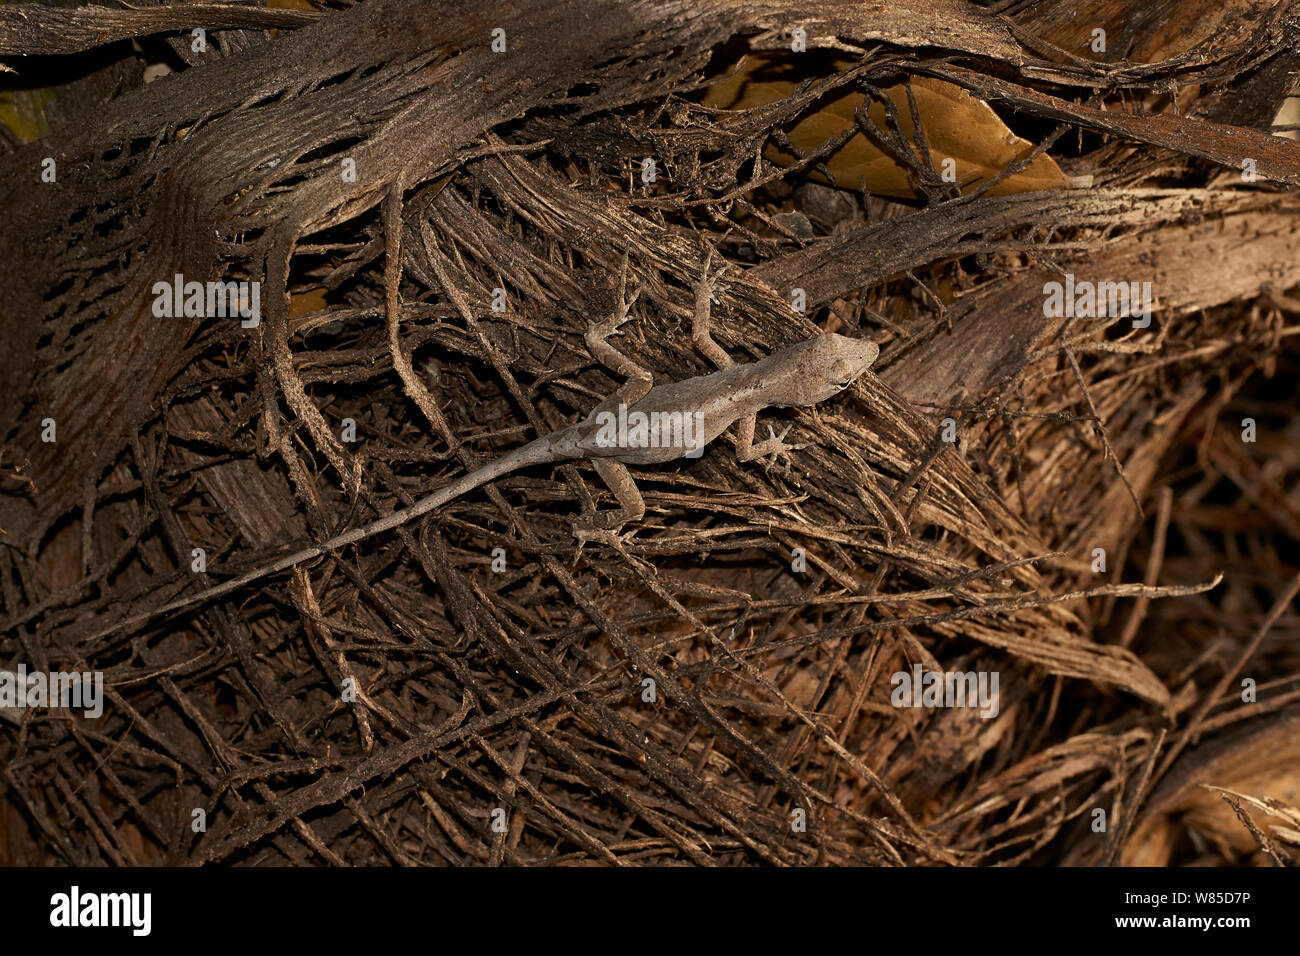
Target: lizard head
(826,365)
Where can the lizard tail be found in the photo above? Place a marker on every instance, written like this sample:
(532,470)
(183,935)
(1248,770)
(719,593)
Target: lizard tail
(537,452)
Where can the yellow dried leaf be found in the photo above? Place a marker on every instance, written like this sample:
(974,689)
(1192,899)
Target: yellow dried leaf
(305,303)
(957,126)
(24,112)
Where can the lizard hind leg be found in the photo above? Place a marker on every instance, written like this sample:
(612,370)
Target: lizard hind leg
(637,380)
(702,321)
(603,526)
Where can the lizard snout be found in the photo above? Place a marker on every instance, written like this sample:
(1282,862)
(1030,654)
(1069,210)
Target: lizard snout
(855,357)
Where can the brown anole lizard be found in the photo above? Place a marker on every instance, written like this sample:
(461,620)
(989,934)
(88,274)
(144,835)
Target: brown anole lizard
(803,374)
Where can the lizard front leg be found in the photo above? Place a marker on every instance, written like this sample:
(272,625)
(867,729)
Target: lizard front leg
(702,336)
(774,445)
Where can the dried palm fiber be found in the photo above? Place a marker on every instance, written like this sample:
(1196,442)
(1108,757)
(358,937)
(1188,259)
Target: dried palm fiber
(525,690)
